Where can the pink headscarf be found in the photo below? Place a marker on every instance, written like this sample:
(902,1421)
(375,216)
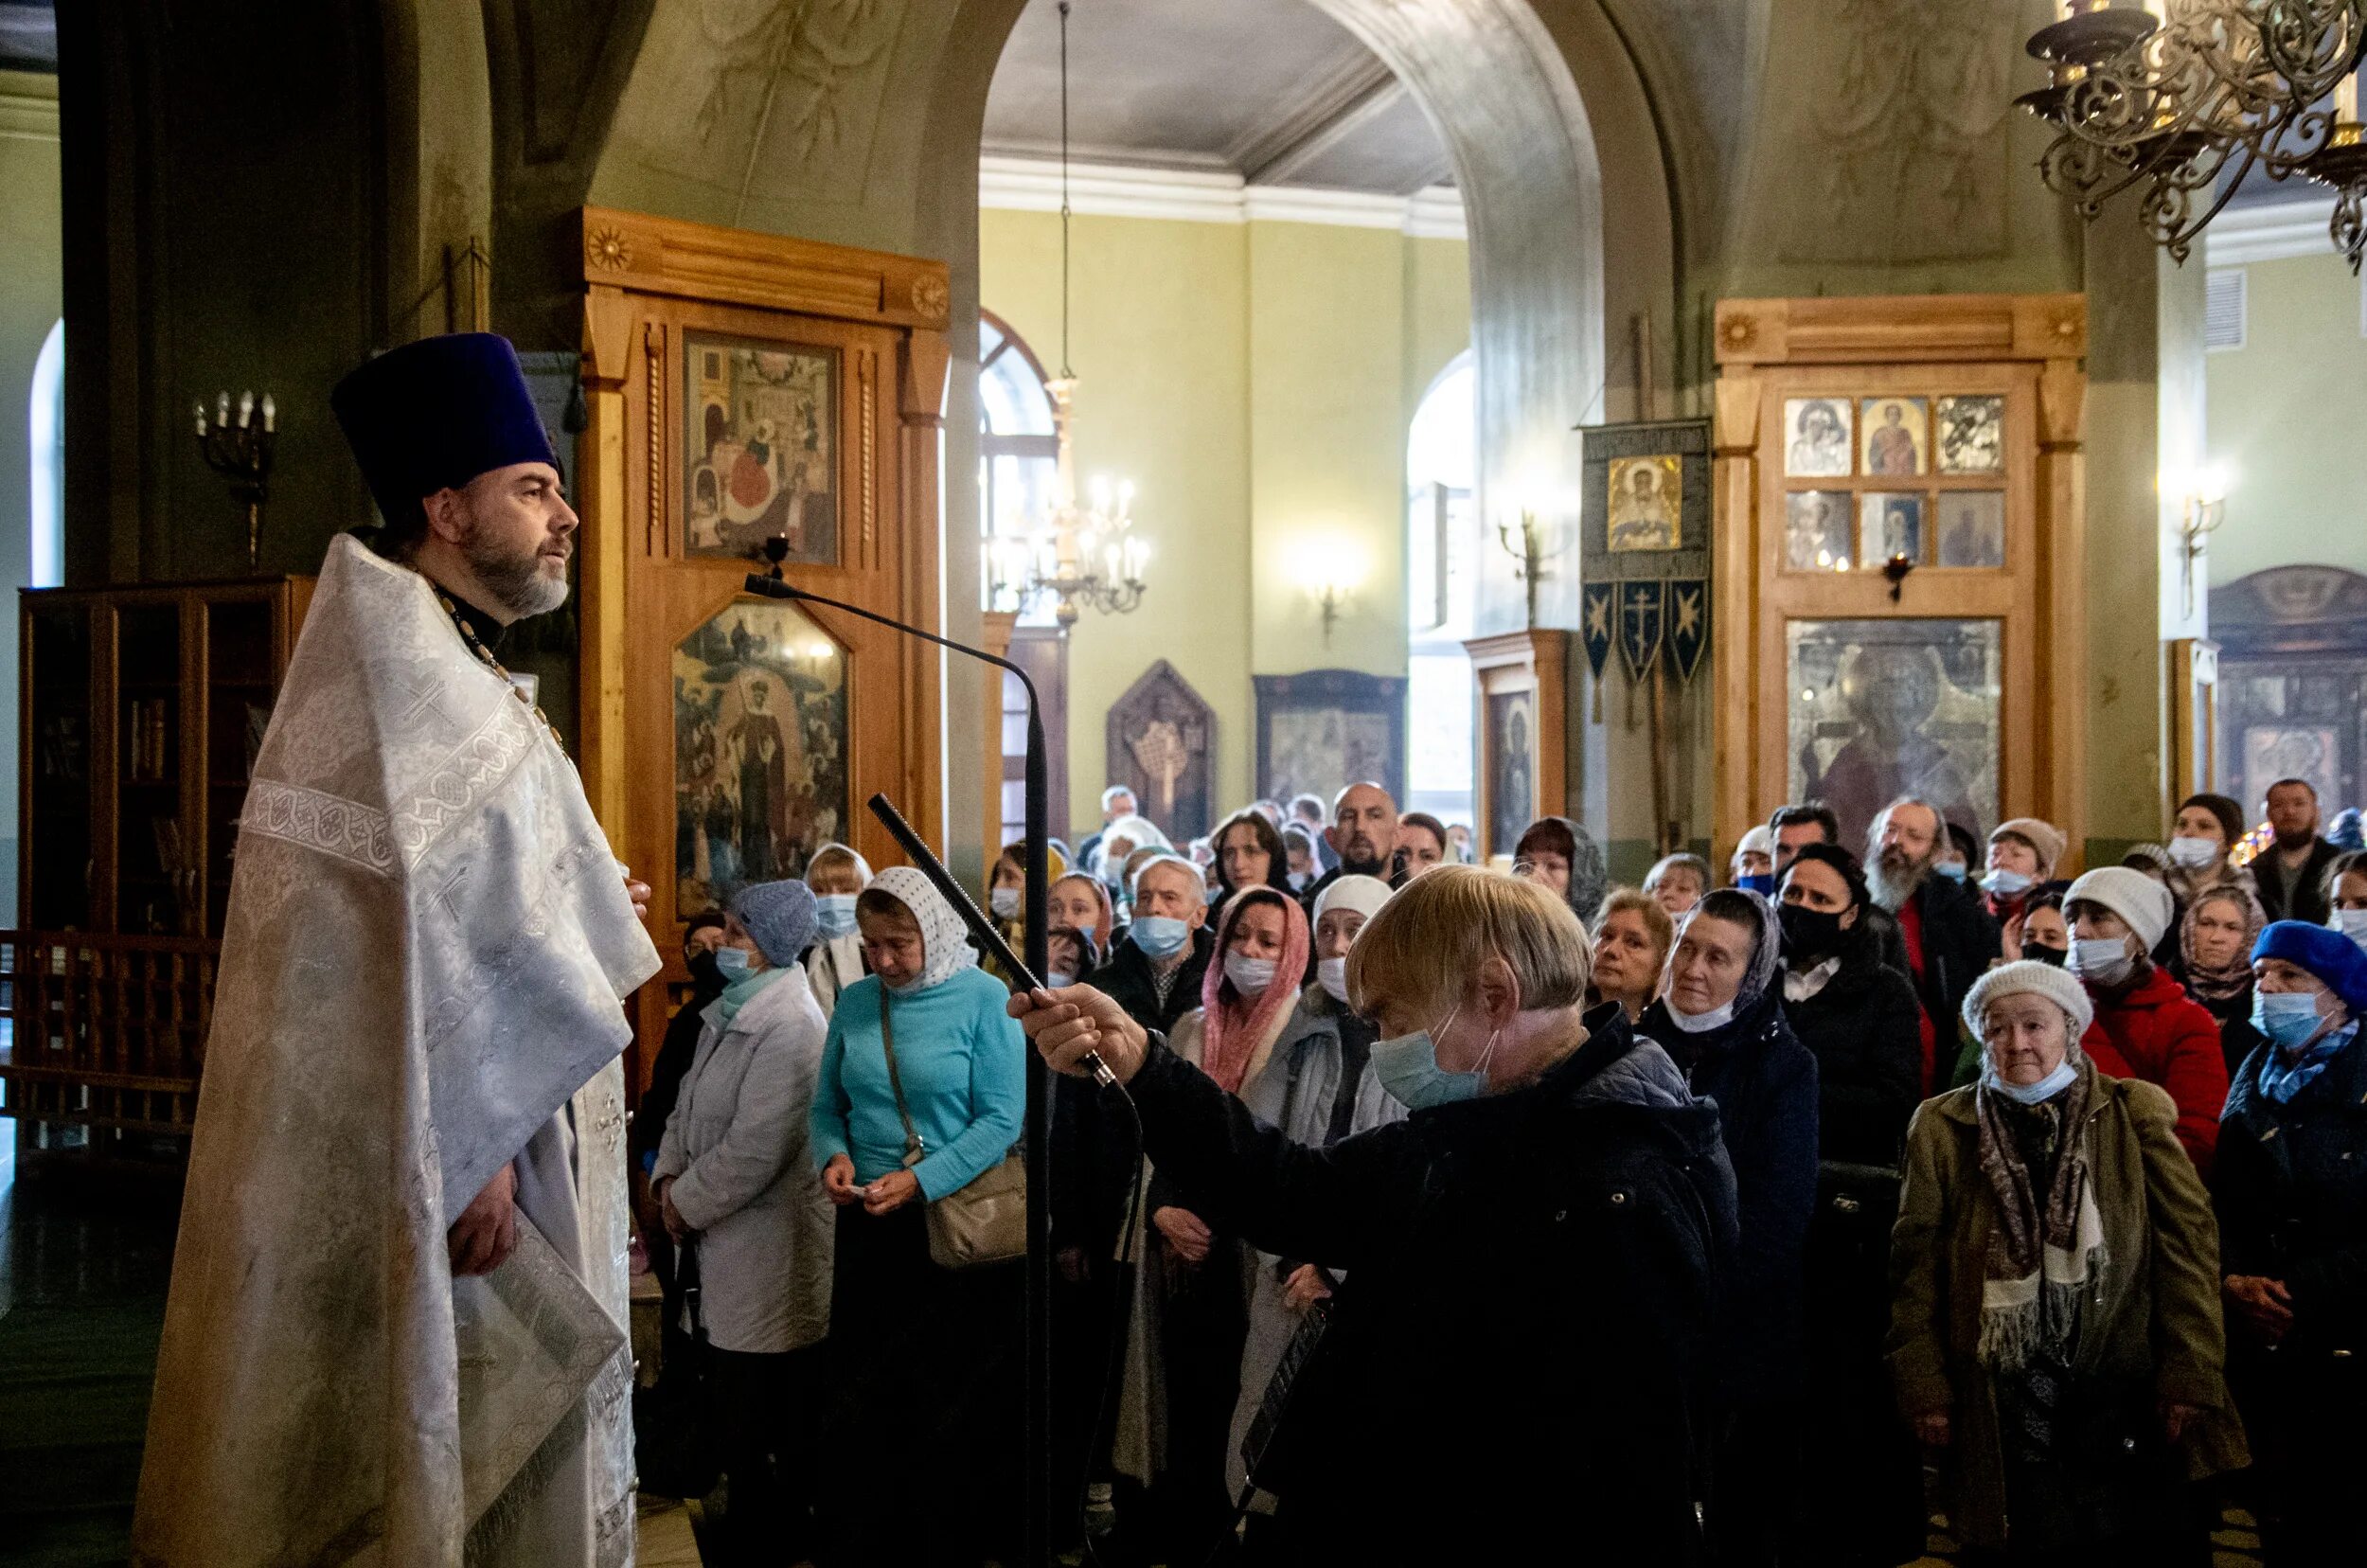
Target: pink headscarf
(1236,1029)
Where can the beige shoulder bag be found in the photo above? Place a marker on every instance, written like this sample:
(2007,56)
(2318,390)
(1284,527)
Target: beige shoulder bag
(984,1222)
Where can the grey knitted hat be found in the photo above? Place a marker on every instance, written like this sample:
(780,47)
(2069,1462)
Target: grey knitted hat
(781,915)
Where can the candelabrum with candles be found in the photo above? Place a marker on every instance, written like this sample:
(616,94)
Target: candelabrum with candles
(2185,97)
(239,448)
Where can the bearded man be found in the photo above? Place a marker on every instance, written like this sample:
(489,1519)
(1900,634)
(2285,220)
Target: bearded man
(1945,941)
(394,1334)
(1363,833)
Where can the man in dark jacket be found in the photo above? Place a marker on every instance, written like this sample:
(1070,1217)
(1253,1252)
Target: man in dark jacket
(1093,1157)
(2292,872)
(1862,1486)
(1947,939)
(1453,1414)
(1363,833)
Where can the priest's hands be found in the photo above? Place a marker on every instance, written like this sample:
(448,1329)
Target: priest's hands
(639,893)
(485,1234)
(1066,1023)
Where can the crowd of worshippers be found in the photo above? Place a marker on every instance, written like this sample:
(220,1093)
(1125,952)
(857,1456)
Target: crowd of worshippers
(1743,1224)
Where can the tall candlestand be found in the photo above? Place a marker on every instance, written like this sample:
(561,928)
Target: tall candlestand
(239,448)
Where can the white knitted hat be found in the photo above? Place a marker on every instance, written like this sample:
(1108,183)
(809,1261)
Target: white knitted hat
(1365,895)
(2030,977)
(2136,898)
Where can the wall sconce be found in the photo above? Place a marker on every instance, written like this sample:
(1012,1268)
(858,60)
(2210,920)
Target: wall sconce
(1332,574)
(2201,509)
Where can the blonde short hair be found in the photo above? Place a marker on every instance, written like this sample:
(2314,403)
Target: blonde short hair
(1424,945)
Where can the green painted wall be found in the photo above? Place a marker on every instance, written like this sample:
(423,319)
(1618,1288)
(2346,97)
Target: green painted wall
(29,306)
(2289,422)
(1254,382)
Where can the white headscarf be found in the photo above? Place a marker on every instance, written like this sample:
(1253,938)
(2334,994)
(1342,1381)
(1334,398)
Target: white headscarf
(1140,831)
(944,940)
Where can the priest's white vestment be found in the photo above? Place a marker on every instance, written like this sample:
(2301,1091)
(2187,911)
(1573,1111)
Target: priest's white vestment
(427,945)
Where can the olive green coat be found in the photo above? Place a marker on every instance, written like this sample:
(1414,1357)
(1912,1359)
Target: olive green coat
(2155,1310)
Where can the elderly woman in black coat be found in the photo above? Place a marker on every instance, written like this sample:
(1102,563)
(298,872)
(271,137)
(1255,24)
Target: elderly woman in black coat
(2291,1195)
(1721,1018)
(1456,1412)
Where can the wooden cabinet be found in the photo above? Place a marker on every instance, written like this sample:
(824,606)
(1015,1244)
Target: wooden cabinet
(142,712)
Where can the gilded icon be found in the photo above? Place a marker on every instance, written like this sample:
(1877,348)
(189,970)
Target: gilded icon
(1889,526)
(1897,436)
(1972,528)
(1815,532)
(1816,435)
(1972,435)
(1646,503)
(760,448)
(1884,708)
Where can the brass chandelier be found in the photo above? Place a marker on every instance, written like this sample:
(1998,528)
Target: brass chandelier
(2185,98)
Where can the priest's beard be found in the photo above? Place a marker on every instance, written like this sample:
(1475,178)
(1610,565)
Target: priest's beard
(514,576)
(1895,875)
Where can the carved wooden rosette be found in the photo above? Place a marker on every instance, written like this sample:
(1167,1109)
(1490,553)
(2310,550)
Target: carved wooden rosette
(655,291)
(2026,350)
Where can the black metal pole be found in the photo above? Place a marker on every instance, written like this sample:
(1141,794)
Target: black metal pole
(1036,1480)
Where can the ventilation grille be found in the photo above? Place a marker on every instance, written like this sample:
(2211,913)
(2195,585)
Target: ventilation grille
(2223,321)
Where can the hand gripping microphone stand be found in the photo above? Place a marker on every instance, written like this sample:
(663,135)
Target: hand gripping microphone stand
(1030,969)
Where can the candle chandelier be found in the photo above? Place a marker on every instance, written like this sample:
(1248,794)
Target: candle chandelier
(2185,98)
(1079,553)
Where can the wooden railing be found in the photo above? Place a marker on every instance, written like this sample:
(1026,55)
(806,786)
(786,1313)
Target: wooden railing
(106,1030)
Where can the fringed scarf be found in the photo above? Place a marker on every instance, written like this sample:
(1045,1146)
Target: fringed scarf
(2041,1260)
(1237,1030)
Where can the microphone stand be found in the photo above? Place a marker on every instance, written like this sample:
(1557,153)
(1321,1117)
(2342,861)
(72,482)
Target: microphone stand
(1037,1150)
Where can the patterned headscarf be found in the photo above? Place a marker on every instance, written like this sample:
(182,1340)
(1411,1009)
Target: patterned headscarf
(2217,982)
(944,939)
(1235,1027)
(1753,911)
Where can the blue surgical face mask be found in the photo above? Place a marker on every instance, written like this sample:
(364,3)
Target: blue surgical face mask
(2005,883)
(732,962)
(836,914)
(1762,883)
(1159,935)
(2287,1017)
(2351,923)
(2032,1094)
(1952,870)
(1003,902)
(1057,979)
(1407,1068)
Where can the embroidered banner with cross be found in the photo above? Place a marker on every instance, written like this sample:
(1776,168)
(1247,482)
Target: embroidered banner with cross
(1641,624)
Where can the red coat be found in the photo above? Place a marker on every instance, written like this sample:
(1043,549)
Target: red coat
(2161,1035)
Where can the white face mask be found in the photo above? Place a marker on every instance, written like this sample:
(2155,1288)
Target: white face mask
(1004,902)
(2101,960)
(2193,853)
(2351,923)
(1332,974)
(1250,976)
(1700,1023)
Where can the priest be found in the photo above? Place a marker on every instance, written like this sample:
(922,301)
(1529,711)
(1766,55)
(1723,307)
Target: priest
(395,1334)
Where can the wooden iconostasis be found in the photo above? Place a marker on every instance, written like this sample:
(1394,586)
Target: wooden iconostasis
(744,387)
(1898,521)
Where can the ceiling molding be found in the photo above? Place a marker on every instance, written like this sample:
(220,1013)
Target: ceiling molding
(1113,191)
(1267,152)
(2270,231)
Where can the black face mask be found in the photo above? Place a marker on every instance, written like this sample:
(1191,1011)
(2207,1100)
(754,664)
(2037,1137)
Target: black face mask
(2039,952)
(704,973)
(1808,933)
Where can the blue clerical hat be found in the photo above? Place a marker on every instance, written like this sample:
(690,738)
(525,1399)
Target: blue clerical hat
(434,415)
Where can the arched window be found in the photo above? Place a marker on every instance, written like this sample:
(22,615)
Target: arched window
(1441,567)
(1018,459)
(47,431)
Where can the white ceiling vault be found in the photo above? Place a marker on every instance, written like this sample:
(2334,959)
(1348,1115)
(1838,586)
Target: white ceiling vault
(1212,109)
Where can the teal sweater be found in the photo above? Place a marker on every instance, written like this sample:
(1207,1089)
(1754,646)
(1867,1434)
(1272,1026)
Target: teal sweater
(963,1060)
